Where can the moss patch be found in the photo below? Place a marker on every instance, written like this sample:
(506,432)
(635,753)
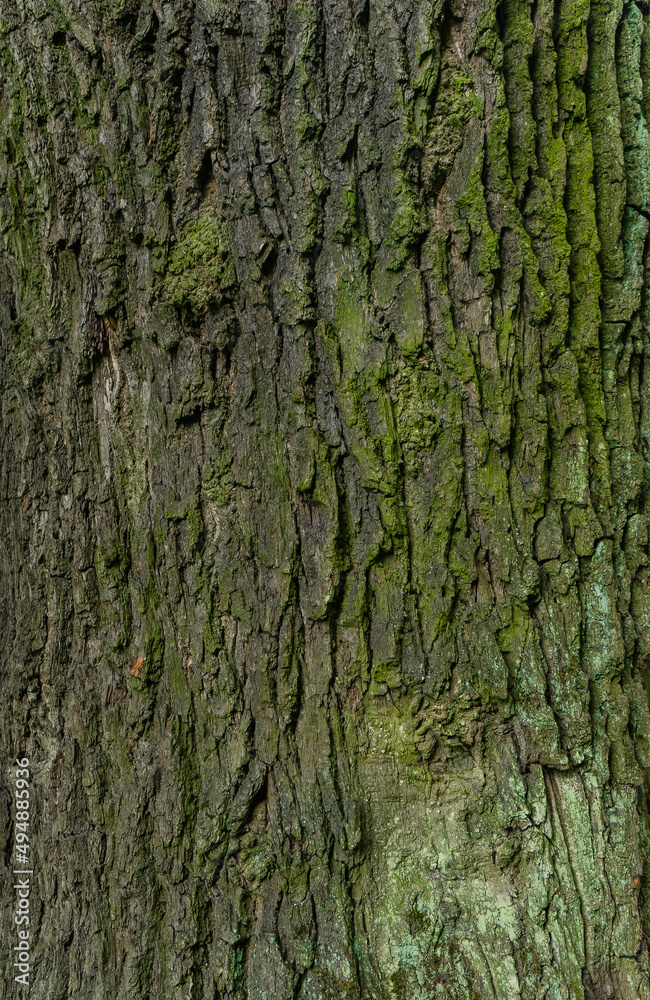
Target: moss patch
(200,268)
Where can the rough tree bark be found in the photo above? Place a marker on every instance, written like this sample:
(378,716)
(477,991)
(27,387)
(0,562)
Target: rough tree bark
(324,540)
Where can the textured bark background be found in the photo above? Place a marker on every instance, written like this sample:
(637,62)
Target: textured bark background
(324,538)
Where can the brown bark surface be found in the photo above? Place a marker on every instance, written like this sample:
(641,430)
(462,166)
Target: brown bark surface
(324,421)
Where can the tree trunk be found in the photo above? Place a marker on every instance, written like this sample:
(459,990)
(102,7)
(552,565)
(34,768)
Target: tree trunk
(325,416)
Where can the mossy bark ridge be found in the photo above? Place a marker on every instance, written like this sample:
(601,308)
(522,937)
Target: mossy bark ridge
(325,410)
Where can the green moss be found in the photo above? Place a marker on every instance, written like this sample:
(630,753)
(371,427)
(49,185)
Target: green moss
(407,226)
(472,209)
(349,224)
(200,271)
(307,128)
(433,126)
(467,104)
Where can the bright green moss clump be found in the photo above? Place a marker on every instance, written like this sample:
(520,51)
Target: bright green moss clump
(200,268)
